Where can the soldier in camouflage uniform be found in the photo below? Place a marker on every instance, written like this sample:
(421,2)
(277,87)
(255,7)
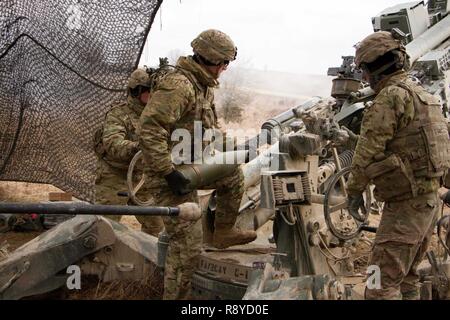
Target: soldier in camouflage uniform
(184,96)
(116,145)
(403,150)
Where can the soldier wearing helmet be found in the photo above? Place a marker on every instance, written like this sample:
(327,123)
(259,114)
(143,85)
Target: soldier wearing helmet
(183,97)
(403,150)
(116,144)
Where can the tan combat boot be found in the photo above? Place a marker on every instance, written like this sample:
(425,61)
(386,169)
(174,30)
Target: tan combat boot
(226,236)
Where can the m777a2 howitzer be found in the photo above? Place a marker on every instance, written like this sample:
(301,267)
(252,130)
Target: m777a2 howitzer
(295,197)
(313,232)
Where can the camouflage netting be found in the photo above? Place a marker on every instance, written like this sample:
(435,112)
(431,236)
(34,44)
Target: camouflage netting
(62,64)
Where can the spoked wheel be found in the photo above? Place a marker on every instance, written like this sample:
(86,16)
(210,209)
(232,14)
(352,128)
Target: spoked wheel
(341,223)
(135,180)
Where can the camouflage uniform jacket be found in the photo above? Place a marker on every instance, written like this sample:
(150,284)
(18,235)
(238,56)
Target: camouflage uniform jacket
(392,110)
(119,141)
(183,96)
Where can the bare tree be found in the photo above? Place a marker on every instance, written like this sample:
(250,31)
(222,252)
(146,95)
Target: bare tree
(232,95)
(173,55)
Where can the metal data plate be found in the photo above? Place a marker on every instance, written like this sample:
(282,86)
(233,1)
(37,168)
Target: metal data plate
(280,188)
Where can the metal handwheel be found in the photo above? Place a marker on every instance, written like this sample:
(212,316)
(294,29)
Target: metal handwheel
(134,188)
(341,223)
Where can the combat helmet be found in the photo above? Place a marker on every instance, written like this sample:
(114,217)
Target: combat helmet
(139,77)
(214,47)
(381,44)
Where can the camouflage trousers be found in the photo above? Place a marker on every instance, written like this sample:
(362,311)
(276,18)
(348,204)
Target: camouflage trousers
(108,183)
(186,238)
(401,242)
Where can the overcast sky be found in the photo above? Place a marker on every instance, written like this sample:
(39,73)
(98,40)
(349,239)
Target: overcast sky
(296,36)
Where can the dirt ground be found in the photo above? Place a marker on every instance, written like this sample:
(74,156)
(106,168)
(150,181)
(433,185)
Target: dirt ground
(25,191)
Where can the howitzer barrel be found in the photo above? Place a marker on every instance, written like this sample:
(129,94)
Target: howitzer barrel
(278,122)
(186,211)
(252,170)
(286,117)
(429,40)
(417,48)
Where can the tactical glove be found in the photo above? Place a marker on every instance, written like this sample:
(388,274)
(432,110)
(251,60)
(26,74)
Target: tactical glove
(446,198)
(344,137)
(353,138)
(177,183)
(355,202)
